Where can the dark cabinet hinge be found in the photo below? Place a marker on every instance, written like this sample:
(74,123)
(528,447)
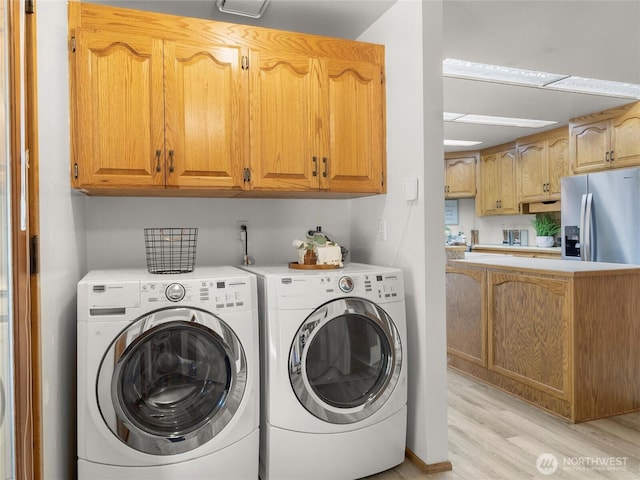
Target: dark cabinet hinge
(382,179)
(34,250)
(75,170)
(73,44)
(30,7)
(245,62)
(246,176)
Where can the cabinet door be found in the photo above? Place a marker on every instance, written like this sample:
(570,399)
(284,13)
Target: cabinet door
(508,195)
(532,171)
(529,322)
(119,114)
(625,141)
(460,177)
(590,146)
(489,184)
(466,314)
(205,104)
(353,118)
(558,165)
(283,96)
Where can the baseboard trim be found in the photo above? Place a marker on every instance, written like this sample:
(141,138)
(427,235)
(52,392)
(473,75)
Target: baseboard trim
(428,468)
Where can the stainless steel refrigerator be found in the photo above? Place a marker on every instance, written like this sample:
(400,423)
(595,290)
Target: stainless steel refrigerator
(601,216)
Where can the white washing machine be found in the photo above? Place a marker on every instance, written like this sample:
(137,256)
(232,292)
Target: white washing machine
(168,379)
(333,370)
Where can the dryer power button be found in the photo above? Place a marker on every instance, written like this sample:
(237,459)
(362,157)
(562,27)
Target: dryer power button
(175,292)
(345,284)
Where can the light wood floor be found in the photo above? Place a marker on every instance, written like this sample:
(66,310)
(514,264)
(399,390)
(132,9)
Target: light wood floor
(495,436)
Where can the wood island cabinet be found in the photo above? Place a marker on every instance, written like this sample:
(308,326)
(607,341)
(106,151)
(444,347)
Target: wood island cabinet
(497,178)
(460,174)
(561,335)
(543,159)
(607,139)
(167,105)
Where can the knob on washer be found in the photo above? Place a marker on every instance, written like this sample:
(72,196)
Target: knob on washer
(175,292)
(345,284)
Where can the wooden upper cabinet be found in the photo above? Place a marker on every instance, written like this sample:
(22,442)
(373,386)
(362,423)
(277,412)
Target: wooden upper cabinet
(460,174)
(205,102)
(498,194)
(315,123)
(543,159)
(119,111)
(353,151)
(284,104)
(167,105)
(154,113)
(608,139)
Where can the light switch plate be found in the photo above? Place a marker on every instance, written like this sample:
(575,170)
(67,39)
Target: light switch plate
(411,189)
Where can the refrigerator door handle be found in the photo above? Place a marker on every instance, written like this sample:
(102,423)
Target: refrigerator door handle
(587,247)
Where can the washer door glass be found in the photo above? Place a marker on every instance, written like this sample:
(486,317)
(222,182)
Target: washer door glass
(345,360)
(171,381)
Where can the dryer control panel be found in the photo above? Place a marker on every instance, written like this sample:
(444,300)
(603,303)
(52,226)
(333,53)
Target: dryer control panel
(307,291)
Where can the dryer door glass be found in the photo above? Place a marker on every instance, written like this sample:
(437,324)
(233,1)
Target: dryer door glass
(172,381)
(345,360)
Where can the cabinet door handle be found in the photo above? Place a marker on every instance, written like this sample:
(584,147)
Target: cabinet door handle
(315,166)
(606,157)
(611,156)
(325,162)
(158,167)
(171,169)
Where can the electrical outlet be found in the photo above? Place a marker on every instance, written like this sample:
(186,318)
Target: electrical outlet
(239,224)
(382,230)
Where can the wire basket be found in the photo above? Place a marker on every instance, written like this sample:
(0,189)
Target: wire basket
(170,250)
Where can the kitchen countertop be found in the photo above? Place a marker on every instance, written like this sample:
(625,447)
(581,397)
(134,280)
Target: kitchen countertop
(546,265)
(516,248)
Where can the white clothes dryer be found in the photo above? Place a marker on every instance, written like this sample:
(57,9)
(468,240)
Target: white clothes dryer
(168,379)
(333,371)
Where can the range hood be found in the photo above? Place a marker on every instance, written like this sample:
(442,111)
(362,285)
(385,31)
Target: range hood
(247,8)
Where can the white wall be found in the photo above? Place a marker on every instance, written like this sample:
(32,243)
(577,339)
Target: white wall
(63,245)
(412,34)
(115,226)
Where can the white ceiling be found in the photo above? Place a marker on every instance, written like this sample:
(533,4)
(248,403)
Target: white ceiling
(590,38)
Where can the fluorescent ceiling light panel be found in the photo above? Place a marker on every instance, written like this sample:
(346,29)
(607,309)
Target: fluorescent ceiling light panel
(452,67)
(460,143)
(455,68)
(596,87)
(450,117)
(246,8)
(502,121)
(505,121)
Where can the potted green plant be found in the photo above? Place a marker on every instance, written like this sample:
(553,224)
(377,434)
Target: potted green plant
(546,229)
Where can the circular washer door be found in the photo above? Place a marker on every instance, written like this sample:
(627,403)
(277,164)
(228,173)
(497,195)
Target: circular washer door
(171,381)
(345,360)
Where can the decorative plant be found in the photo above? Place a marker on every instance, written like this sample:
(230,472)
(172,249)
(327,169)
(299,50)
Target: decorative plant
(545,226)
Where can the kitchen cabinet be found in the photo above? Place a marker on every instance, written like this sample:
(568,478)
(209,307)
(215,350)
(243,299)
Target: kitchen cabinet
(467,314)
(560,334)
(497,176)
(154,114)
(460,174)
(167,105)
(316,124)
(543,159)
(607,139)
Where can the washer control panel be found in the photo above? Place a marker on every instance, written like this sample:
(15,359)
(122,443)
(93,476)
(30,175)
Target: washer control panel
(228,294)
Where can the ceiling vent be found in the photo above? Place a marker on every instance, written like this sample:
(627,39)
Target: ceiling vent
(247,8)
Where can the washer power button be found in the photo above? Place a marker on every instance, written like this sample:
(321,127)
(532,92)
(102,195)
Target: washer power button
(345,284)
(175,292)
